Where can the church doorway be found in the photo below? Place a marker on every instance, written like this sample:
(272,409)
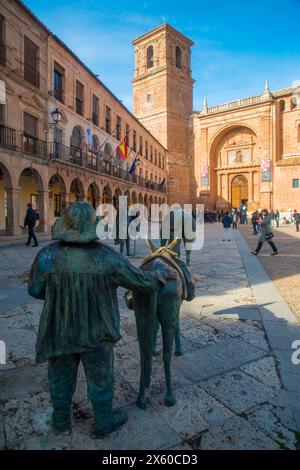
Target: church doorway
(239,191)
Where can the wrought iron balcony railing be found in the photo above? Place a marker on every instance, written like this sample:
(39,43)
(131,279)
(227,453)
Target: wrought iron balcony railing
(7,137)
(96,162)
(35,147)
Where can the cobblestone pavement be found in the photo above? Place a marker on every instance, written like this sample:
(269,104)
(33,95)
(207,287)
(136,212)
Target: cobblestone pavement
(235,385)
(284,269)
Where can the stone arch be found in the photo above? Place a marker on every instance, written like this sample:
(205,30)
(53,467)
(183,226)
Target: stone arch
(140,198)
(127,193)
(6,201)
(116,196)
(76,191)
(31,190)
(146,200)
(107,195)
(57,197)
(231,149)
(93,195)
(239,190)
(107,151)
(77,137)
(134,197)
(76,145)
(220,133)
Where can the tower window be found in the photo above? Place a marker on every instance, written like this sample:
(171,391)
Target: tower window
(149,57)
(296,183)
(282,105)
(178,57)
(293,102)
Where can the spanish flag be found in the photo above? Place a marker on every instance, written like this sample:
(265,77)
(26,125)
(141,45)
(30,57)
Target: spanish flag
(122,150)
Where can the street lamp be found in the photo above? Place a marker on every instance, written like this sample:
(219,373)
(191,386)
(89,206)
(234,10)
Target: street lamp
(56,119)
(56,116)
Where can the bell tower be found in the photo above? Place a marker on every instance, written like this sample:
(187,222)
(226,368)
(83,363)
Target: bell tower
(163,98)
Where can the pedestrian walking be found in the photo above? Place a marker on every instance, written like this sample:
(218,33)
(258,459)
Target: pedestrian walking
(277,217)
(266,234)
(254,219)
(227,221)
(296,216)
(234,220)
(30,220)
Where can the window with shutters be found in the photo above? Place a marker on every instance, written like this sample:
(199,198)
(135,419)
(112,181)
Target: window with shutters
(58,82)
(118,128)
(31,63)
(141,145)
(151,153)
(95,117)
(108,120)
(128,135)
(134,141)
(30,133)
(146,149)
(2,41)
(79,98)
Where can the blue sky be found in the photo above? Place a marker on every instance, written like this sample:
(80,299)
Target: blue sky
(238,44)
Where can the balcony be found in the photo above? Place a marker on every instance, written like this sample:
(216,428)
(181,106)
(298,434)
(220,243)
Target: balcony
(7,137)
(93,161)
(35,147)
(2,54)
(90,160)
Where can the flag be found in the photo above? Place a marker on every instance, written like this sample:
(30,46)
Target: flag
(162,183)
(133,166)
(122,150)
(89,138)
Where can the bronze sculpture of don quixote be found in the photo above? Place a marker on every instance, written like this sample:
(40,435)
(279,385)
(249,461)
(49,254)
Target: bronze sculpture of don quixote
(77,276)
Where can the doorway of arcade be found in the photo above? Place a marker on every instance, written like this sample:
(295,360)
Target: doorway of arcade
(239,192)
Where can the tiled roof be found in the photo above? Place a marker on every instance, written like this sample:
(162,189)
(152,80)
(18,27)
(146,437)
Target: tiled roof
(285,91)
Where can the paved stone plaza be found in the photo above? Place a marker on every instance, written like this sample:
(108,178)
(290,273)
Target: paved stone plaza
(236,386)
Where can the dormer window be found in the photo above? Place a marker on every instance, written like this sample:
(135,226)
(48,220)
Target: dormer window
(149,57)
(178,57)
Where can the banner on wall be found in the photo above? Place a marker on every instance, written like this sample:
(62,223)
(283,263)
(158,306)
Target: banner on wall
(266,170)
(204,175)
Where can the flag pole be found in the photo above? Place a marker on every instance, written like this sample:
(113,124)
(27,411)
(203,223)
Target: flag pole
(107,139)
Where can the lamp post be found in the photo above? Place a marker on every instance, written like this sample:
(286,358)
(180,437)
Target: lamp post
(56,119)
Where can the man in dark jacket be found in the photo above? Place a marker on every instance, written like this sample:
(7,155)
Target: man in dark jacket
(30,220)
(296,217)
(78,277)
(227,221)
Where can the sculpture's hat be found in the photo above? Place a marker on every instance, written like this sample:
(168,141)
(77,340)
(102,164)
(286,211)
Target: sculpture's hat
(76,225)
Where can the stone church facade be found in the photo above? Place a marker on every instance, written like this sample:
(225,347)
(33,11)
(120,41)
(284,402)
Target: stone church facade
(246,151)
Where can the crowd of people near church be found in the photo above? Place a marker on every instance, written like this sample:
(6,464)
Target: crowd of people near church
(262,223)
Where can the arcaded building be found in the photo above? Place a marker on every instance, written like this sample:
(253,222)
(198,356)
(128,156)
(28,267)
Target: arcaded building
(246,151)
(53,166)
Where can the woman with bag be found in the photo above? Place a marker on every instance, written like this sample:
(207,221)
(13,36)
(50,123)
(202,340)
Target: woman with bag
(266,234)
